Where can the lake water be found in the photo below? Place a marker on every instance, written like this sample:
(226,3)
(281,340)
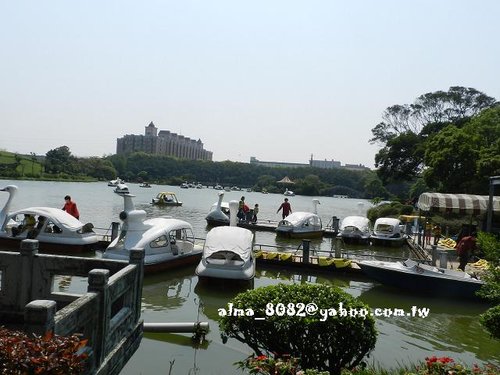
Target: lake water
(452,327)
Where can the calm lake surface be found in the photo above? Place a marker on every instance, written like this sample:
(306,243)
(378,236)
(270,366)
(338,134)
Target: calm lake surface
(451,329)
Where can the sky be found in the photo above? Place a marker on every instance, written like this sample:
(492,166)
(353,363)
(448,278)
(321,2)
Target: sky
(278,80)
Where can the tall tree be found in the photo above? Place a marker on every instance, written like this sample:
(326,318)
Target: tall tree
(463,159)
(405,129)
(59,160)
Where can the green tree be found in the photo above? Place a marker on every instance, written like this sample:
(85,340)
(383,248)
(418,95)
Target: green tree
(374,187)
(59,160)
(405,129)
(463,159)
(326,343)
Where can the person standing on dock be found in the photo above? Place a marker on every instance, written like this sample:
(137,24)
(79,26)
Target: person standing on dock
(286,207)
(70,207)
(465,248)
(255,212)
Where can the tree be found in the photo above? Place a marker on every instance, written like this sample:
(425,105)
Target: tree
(327,342)
(59,160)
(463,159)
(405,129)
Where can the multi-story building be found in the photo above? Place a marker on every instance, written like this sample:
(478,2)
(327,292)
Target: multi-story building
(163,143)
(323,164)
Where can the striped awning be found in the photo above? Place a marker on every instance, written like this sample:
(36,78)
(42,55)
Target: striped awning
(458,203)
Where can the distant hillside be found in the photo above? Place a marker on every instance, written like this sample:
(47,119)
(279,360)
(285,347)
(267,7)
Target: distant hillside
(16,165)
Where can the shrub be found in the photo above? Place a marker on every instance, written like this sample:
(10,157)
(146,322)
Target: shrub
(50,354)
(322,342)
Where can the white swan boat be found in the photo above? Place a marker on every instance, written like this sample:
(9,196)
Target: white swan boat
(219,212)
(302,224)
(420,277)
(355,229)
(55,229)
(228,252)
(167,242)
(388,231)
(116,182)
(121,189)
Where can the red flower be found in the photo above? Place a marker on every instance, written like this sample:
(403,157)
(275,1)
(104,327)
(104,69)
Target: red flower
(261,358)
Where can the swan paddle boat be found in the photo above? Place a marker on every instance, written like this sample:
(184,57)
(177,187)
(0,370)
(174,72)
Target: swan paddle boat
(219,212)
(388,231)
(228,252)
(116,182)
(55,229)
(167,242)
(302,224)
(355,229)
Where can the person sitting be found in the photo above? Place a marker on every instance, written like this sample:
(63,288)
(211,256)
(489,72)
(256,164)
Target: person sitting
(27,224)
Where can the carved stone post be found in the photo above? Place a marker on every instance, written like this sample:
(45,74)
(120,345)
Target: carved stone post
(98,283)
(39,316)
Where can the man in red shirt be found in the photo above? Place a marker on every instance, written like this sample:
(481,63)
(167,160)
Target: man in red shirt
(465,248)
(287,209)
(70,207)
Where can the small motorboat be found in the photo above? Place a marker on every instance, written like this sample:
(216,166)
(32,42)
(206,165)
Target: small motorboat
(166,198)
(388,231)
(184,185)
(55,229)
(228,252)
(419,277)
(219,212)
(116,182)
(121,189)
(355,229)
(289,193)
(167,242)
(302,224)
(145,185)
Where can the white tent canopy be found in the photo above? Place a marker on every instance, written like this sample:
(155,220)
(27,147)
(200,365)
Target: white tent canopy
(457,203)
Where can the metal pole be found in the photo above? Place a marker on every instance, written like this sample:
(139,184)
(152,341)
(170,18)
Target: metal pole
(305,251)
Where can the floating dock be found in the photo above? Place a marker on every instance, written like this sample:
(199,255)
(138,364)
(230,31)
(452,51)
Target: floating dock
(270,226)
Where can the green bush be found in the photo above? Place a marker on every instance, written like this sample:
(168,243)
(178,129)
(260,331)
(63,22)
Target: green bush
(322,342)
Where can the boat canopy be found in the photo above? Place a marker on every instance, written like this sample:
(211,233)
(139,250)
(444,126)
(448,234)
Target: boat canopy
(235,239)
(59,217)
(457,203)
(298,218)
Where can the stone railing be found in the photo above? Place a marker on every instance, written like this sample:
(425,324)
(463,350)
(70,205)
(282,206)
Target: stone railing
(108,314)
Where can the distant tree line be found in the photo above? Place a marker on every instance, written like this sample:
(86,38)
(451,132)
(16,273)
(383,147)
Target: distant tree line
(446,141)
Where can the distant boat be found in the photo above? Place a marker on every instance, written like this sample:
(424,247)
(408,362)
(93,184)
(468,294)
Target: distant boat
(289,193)
(116,182)
(388,232)
(355,229)
(184,185)
(145,185)
(419,277)
(218,187)
(166,198)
